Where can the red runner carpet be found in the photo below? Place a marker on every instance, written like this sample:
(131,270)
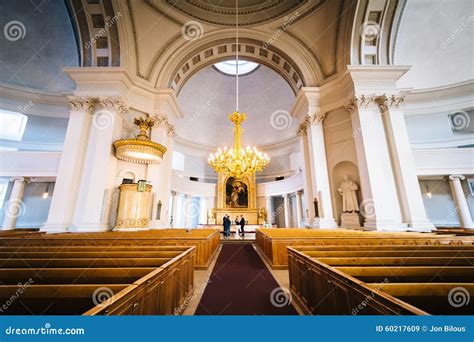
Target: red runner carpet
(241,284)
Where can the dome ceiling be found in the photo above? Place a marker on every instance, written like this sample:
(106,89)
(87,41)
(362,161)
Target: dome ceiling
(208,98)
(222,12)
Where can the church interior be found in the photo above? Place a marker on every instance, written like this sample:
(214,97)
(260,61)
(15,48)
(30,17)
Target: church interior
(249,157)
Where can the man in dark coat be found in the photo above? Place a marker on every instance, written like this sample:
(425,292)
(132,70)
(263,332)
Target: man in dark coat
(226,224)
(242,225)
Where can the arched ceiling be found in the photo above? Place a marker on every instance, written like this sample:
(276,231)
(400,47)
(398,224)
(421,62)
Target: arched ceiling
(251,12)
(208,97)
(34,50)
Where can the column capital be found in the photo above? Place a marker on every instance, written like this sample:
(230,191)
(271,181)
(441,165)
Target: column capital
(84,103)
(361,101)
(161,120)
(454,177)
(386,102)
(114,102)
(20,179)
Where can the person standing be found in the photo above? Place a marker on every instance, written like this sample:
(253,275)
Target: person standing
(226,224)
(242,225)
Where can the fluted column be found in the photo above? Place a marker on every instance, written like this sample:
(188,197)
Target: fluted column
(465,218)
(406,178)
(299,209)
(99,171)
(14,207)
(286,203)
(63,201)
(159,174)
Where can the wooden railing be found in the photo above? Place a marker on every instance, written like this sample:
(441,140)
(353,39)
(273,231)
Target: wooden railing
(61,280)
(273,243)
(206,241)
(387,280)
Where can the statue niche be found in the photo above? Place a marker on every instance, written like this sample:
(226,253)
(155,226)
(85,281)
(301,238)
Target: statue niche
(237,194)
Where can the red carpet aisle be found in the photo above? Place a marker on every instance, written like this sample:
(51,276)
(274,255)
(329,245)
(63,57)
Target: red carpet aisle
(241,284)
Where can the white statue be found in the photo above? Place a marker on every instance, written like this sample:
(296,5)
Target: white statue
(348,189)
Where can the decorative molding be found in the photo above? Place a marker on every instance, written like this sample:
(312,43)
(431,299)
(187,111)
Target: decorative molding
(161,120)
(114,102)
(85,103)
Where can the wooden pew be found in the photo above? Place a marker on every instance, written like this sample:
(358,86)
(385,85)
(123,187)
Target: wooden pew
(206,241)
(366,282)
(273,243)
(160,288)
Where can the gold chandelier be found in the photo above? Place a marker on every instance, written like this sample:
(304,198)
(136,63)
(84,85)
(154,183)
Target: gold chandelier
(141,149)
(237,161)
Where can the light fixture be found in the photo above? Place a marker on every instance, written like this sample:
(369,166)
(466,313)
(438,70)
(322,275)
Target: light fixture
(46,193)
(428,192)
(237,161)
(140,150)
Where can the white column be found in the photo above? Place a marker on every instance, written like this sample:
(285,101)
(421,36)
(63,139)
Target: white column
(269,208)
(14,206)
(174,208)
(203,210)
(299,209)
(286,203)
(160,174)
(99,171)
(320,176)
(187,211)
(465,218)
(411,201)
(307,182)
(380,207)
(63,201)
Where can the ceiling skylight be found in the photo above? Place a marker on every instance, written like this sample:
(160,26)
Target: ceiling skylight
(228,67)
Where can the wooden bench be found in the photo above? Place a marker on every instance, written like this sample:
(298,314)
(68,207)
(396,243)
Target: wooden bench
(206,241)
(273,243)
(338,281)
(65,284)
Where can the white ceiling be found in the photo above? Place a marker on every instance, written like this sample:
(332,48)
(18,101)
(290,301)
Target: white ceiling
(209,97)
(435,38)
